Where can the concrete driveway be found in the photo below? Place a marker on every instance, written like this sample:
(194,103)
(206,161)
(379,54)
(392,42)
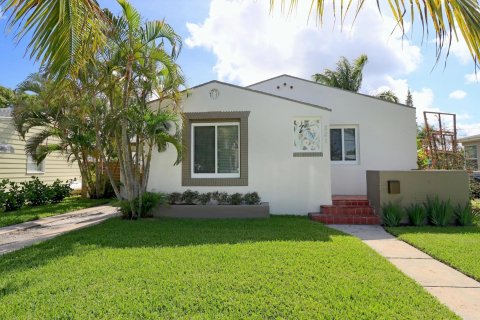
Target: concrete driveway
(25,234)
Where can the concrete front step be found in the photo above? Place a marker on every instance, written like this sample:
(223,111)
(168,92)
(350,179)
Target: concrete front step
(345,219)
(347,210)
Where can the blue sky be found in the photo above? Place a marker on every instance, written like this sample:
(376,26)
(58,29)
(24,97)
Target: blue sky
(239,41)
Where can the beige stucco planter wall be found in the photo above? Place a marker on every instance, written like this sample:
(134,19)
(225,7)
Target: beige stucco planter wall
(213,211)
(416,186)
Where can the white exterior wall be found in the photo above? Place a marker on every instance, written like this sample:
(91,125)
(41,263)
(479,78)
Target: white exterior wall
(292,185)
(386,131)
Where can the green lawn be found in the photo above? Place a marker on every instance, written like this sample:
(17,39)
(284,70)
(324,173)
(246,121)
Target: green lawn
(277,268)
(33,213)
(459,247)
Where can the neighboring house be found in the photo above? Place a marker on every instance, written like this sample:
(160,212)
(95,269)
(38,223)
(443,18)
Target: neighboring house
(17,166)
(294,141)
(471,145)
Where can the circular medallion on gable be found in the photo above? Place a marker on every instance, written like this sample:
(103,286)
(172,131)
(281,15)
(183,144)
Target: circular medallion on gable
(214,93)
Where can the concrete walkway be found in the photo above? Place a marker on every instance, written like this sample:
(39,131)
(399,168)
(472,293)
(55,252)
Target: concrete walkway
(25,234)
(454,289)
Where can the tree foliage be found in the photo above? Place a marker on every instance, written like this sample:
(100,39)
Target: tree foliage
(6,97)
(388,95)
(346,76)
(409,100)
(103,111)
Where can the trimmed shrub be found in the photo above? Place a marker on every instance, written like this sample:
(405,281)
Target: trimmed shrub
(251,198)
(36,192)
(149,201)
(439,212)
(14,197)
(189,196)
(464,215)
(392,214)
(235,199)
(59,191)
(474,189)
(416,214)
(175,198)
(220,197)
(204,198)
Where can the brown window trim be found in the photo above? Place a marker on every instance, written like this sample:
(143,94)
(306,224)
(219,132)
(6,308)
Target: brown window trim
(228,116)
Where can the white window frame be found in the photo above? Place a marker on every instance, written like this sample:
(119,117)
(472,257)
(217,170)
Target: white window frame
(357,145)
(470,159)
(192,149)
(31,161)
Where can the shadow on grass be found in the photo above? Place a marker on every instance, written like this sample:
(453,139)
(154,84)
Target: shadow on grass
(34,213)
(117,233)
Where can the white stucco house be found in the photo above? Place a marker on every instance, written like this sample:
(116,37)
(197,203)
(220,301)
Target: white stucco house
(293,141)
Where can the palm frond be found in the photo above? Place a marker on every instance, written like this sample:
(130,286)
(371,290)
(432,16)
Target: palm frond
(449,18)
(64,33)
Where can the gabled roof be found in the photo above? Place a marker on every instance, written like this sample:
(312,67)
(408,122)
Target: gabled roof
(260,92)
(331,88)
(6,112)
(470,138)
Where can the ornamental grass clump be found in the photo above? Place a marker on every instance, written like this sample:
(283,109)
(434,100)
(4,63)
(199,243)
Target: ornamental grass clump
(392,214)
(439,212)
(464,215)
(416,214)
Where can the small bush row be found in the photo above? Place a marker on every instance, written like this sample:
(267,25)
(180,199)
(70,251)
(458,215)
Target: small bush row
(194,197)
(13,195)
(434,211)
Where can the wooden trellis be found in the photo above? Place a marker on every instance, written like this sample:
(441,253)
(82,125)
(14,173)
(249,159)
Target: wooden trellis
(441,140)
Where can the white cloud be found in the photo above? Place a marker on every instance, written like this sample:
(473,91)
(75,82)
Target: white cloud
(251,45)
(471,78)
(457,94)
(468,129)
(460,50)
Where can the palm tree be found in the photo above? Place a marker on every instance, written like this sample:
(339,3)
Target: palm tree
(58,120)
(388,95)
(139,63)
(347,76)
(449,18)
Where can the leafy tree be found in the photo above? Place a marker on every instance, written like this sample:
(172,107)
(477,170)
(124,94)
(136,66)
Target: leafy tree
(105,110)
(449,18)
(346,76)
(61,116)
(138,64)
(388,95)
(409,100)
(6,97)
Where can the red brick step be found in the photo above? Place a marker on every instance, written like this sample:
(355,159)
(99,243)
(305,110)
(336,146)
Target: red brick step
(347,210)
(344,219)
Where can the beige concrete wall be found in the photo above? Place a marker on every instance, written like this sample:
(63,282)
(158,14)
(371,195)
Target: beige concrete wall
(13,166)
(416,186)
(386,131)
